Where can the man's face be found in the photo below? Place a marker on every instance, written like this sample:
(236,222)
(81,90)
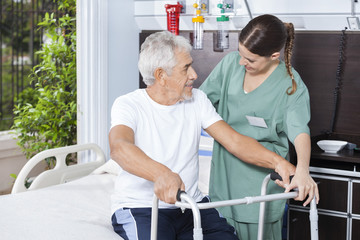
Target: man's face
(179,83)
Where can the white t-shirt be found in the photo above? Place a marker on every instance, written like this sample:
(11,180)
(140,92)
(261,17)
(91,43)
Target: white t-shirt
(167,134)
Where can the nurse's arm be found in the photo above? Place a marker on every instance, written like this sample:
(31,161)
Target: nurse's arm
(302,179)
(249,150)
(133,160)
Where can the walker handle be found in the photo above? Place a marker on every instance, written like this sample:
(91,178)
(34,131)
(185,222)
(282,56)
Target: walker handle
(179,192)
(275,176)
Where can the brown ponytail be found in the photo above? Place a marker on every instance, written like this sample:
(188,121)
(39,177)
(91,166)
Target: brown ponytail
(267,34)
(287,55)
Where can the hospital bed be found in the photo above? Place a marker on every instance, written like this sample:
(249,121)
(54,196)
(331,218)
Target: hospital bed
(69,202)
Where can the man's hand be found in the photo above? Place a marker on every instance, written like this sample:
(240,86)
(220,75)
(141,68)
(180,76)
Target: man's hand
(166,186)
(285,169)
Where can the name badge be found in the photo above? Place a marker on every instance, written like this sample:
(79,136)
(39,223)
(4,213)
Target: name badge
(256,121)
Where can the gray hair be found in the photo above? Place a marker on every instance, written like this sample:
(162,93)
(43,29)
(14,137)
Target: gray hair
(158,51)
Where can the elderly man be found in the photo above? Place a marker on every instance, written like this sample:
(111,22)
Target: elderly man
(154,137)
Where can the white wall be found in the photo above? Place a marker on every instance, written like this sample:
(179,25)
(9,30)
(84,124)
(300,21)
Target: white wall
(123,49)
(123,40)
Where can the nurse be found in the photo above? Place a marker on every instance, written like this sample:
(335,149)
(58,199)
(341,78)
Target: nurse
(263,97)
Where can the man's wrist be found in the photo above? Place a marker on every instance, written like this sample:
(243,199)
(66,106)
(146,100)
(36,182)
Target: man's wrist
(277,161)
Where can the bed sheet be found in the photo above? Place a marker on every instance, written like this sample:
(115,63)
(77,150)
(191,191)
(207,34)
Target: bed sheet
(75,210)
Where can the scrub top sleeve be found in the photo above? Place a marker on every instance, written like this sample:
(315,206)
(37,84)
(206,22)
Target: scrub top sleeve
(122,113)
(298,114)
(212,84)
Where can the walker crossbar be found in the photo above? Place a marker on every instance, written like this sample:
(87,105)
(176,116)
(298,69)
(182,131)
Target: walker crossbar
(188,202)
(246,200)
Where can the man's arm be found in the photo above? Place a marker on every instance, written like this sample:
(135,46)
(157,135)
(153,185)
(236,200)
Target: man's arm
(133,160)
(249,150)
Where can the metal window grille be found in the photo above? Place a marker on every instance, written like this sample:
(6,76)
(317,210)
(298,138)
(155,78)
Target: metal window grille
(20,38)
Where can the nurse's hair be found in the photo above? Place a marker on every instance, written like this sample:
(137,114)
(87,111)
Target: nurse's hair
(158,51)
(267,34)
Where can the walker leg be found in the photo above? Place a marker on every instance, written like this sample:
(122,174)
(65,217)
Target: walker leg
(154,218)
(262,208)
(197,232)
(313,215)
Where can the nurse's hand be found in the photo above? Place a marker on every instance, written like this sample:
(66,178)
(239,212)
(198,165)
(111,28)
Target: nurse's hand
(167,185)
(306,186)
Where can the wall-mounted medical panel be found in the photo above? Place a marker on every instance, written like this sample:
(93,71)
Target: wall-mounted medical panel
(306,14)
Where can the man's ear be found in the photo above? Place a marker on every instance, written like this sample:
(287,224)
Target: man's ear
(275,56)
(160,75)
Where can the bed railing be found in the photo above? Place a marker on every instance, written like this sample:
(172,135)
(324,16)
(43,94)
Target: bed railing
(61,173)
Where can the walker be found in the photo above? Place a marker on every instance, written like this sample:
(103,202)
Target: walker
(185,201)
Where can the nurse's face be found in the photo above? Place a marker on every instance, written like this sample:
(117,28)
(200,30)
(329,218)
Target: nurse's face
(253,63)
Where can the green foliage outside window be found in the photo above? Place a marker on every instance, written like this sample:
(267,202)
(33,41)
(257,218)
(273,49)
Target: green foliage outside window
(18,41)
(45,116)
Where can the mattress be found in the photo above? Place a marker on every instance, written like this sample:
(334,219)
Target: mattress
(75,210)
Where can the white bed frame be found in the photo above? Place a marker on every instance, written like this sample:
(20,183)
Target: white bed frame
(66,202)
(61,173)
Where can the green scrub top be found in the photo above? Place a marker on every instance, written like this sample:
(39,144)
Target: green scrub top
(286,116)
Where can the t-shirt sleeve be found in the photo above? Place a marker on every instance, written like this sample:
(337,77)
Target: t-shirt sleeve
(298,114)
(207,111)
(122,113)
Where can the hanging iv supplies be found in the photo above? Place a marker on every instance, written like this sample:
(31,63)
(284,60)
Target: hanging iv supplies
(173,14)
(198,21)
(222,39)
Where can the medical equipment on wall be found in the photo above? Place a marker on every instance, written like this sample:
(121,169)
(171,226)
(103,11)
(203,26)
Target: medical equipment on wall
(353,21)
(198,21)
(173,15)
(222,39)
